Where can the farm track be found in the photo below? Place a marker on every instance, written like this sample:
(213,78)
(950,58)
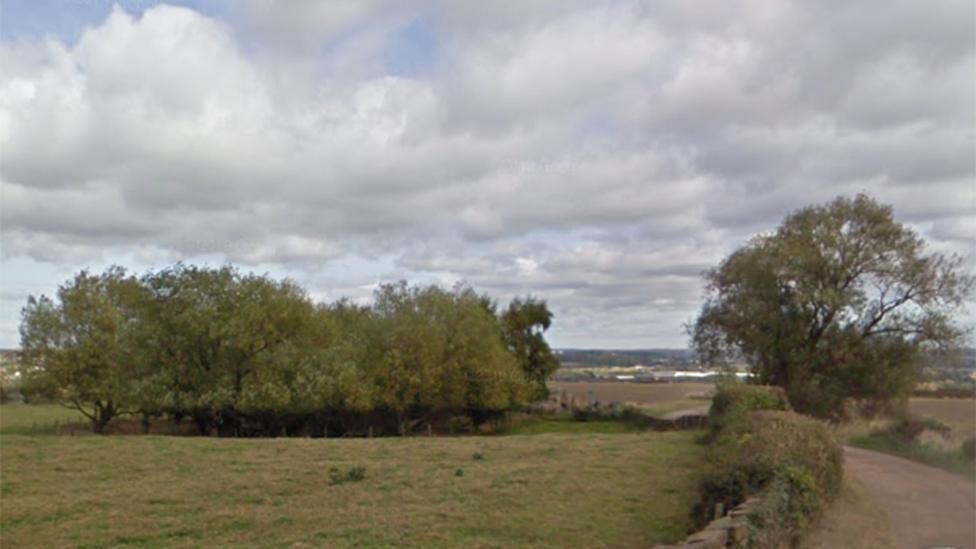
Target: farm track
(927,507)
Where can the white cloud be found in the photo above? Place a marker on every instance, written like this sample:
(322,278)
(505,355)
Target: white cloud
(600,155)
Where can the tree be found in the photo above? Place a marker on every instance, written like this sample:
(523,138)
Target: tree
(209,332)
(442,354)
(523,326)
(81,350)
(247,355)
(835,306)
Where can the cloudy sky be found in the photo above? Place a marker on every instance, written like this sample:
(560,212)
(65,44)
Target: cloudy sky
(599,155)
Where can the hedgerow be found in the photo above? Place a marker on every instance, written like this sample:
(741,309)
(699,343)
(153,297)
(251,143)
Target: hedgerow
(733,402)
(790,460)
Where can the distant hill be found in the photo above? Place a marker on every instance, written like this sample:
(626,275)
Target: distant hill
(579,358)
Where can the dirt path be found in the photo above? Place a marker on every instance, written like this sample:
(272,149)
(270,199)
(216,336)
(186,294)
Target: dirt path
(926,507)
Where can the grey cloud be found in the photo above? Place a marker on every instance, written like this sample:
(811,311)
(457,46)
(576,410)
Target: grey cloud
(599,154)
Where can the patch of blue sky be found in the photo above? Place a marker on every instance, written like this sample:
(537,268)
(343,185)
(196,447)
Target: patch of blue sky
(66,20)
(411,51)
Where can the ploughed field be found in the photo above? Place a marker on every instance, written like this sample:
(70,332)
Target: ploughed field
(554,489)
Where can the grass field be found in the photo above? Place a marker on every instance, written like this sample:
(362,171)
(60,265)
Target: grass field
(24,419)
(655,398)
(555,489)
(958,413)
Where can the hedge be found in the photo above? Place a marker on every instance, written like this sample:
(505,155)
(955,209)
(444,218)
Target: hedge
(791,460)
(733,402)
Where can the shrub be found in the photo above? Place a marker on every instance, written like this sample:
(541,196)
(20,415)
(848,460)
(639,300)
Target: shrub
(791,459)
(969,448)
(733,402)
(354,474)
(631,416)
(907,430)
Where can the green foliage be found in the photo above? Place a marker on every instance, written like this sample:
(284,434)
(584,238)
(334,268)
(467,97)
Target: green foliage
(627,418)
(242,355)
(218,342)
(523,326)
(441,351)
(835,307)
(791,459)
(83,348)
(733,401)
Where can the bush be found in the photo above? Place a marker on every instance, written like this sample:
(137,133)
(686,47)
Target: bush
(733,402)
(969,448)
(907,430)
(354,474)
(791,459)
(631,416)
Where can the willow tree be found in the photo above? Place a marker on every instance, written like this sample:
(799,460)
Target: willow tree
(81,348)
(209,332)
(835,306)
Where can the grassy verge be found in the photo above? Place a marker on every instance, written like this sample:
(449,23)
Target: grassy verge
(563,490)
(937,449)
(947,460)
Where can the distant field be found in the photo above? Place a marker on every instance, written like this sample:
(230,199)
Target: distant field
(658,398)
(25,419)
(561,490)
(958,413)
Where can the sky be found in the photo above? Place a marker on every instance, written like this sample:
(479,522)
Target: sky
(599,155)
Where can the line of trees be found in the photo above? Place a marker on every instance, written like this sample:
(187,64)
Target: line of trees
(245,355)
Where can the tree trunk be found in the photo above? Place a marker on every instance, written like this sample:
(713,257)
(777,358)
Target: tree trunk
(103,414)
